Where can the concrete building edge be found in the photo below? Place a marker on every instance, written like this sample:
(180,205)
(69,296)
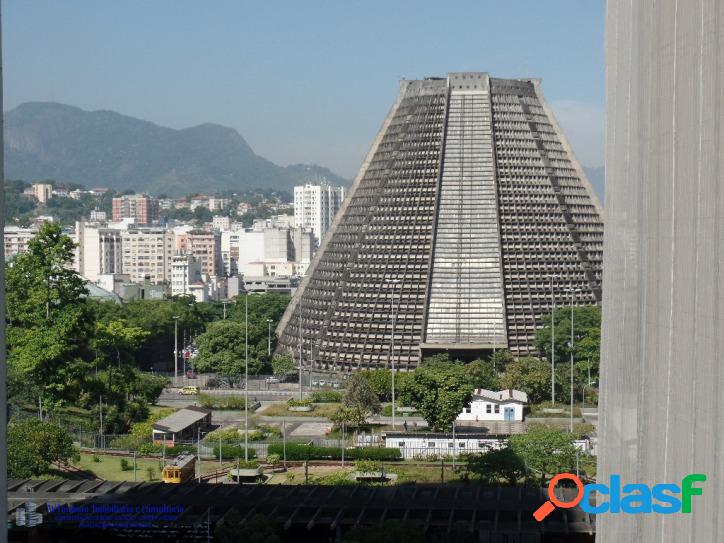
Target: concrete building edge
(292,307)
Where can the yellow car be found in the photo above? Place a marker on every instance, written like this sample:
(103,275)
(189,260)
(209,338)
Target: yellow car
(189,390)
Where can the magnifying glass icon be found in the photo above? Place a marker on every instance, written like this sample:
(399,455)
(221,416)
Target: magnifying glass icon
(547,508)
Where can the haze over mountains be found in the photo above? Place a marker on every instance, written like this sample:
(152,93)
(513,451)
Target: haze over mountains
(45,140)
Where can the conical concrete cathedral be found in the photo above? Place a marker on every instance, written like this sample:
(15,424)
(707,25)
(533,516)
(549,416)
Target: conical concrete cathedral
(468,219)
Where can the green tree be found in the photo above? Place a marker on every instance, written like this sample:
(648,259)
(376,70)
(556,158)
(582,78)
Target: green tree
(282,365)
(380,380)
(222,350)
(33,446)
(497,465)
(481,375)
(40,283)
(545,451)
(352,417)
(531,375)
(48,326)
(438,389)
(586,333)
(118,343)
(360,397)
(500,359)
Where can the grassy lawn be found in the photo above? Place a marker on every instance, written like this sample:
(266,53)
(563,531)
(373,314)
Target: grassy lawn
(109,467)
(280,410)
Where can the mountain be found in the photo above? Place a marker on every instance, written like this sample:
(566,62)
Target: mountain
(45,140)
(597,177)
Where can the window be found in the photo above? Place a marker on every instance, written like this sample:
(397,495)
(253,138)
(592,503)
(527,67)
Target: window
(461,444)
(468,409)
(431,444)
(401,444)
(488,408)
(451,445)
(481,445)
(497,409)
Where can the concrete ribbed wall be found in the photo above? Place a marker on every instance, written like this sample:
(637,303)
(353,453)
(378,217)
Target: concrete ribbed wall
(662,413)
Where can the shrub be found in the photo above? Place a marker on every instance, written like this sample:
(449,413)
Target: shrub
(96,458)
(367,465)
(151,473)
(149,448)
(326,396)
(306,402)
(125,465)
(273,459)
(221,402)
(227,434)
(299,451)
(233,451)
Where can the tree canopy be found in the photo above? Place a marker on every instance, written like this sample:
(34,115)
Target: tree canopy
(438,389)
(222,350)
(545,451)
(33,446)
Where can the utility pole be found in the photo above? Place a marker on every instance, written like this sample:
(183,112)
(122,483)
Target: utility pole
(553,342)
(246,376)
(175,347)
(198,452)
(572,291)
(224,304)
(392,347)
(269,321)
(284,441)
(300,348)
(100,410)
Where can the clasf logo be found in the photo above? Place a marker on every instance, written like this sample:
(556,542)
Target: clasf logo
(631,499)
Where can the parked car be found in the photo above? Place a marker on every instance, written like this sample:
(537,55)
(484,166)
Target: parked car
(189,390)
(272,380)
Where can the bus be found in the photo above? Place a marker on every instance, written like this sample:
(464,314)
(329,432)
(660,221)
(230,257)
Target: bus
(180,470)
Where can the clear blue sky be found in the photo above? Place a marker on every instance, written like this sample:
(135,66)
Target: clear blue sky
(302,81)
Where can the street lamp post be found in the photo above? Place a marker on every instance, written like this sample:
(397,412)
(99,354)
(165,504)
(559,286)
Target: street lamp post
(246,376)
(572,291)
(553,342)
(175,347)
(223,303)
(392,346)
(300,349)
(269,321)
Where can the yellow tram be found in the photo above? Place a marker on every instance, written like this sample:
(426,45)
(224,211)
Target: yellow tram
(180,470)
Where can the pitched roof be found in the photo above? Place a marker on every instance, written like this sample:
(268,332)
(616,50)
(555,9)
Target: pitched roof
(502,395)
(181,419)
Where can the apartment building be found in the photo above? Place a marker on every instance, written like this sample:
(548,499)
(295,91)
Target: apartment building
(147,254)
(315,206)
(140,207)
(99,250)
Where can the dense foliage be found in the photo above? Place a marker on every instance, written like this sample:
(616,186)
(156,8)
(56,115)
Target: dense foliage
(438,389)
(545,451)
(298,451)
(59,351)
(33,446)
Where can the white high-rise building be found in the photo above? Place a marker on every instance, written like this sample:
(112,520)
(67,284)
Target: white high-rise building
(99,250)
(315,206)
(147,254)
(185,271)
